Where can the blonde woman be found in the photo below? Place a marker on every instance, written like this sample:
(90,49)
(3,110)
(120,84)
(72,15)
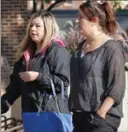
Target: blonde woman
(41,57)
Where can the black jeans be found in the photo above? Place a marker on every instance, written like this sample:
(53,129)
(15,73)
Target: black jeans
(91,122)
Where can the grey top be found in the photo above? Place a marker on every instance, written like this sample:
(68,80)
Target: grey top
(97,75)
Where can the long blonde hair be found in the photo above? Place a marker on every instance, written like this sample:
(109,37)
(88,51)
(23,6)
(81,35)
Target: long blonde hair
(50,31)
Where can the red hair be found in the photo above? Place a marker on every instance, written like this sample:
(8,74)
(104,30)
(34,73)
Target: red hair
(103,12)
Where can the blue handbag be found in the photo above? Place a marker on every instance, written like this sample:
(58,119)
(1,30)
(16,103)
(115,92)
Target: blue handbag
(48,121)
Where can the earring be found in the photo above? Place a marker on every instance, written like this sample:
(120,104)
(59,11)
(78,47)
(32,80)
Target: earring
(76,21)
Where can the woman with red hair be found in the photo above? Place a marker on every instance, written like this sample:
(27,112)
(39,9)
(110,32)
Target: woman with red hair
(97,71)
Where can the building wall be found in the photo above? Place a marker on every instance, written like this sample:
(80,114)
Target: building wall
(13,21)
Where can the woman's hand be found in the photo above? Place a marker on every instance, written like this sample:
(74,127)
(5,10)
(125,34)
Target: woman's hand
(104,108)
(28,76)
(101,113)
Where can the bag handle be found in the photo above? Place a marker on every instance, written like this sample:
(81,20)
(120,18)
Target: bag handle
(53,88)
(54,95)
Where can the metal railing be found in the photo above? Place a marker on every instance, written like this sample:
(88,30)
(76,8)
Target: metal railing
(11,124)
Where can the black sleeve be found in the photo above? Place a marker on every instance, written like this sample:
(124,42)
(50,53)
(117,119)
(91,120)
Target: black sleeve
(12,91)
(59,63)
(116,76)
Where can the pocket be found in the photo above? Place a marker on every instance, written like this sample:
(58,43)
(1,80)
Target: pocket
(95,120)
(98,117)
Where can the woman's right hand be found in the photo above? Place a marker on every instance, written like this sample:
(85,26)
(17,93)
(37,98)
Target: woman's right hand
(28,76)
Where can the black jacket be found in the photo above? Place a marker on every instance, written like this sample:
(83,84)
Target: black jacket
(97,75)
(53,64)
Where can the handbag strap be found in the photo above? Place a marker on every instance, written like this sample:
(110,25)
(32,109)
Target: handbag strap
(54,95)
(53,88)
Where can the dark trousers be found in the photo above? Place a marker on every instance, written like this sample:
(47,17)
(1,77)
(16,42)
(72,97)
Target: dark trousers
(91,122)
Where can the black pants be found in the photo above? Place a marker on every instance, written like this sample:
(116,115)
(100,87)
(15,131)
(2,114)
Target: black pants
(91,122)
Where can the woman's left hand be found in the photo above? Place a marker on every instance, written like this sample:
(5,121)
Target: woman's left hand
(104,108)
(28,76)
(101,113)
